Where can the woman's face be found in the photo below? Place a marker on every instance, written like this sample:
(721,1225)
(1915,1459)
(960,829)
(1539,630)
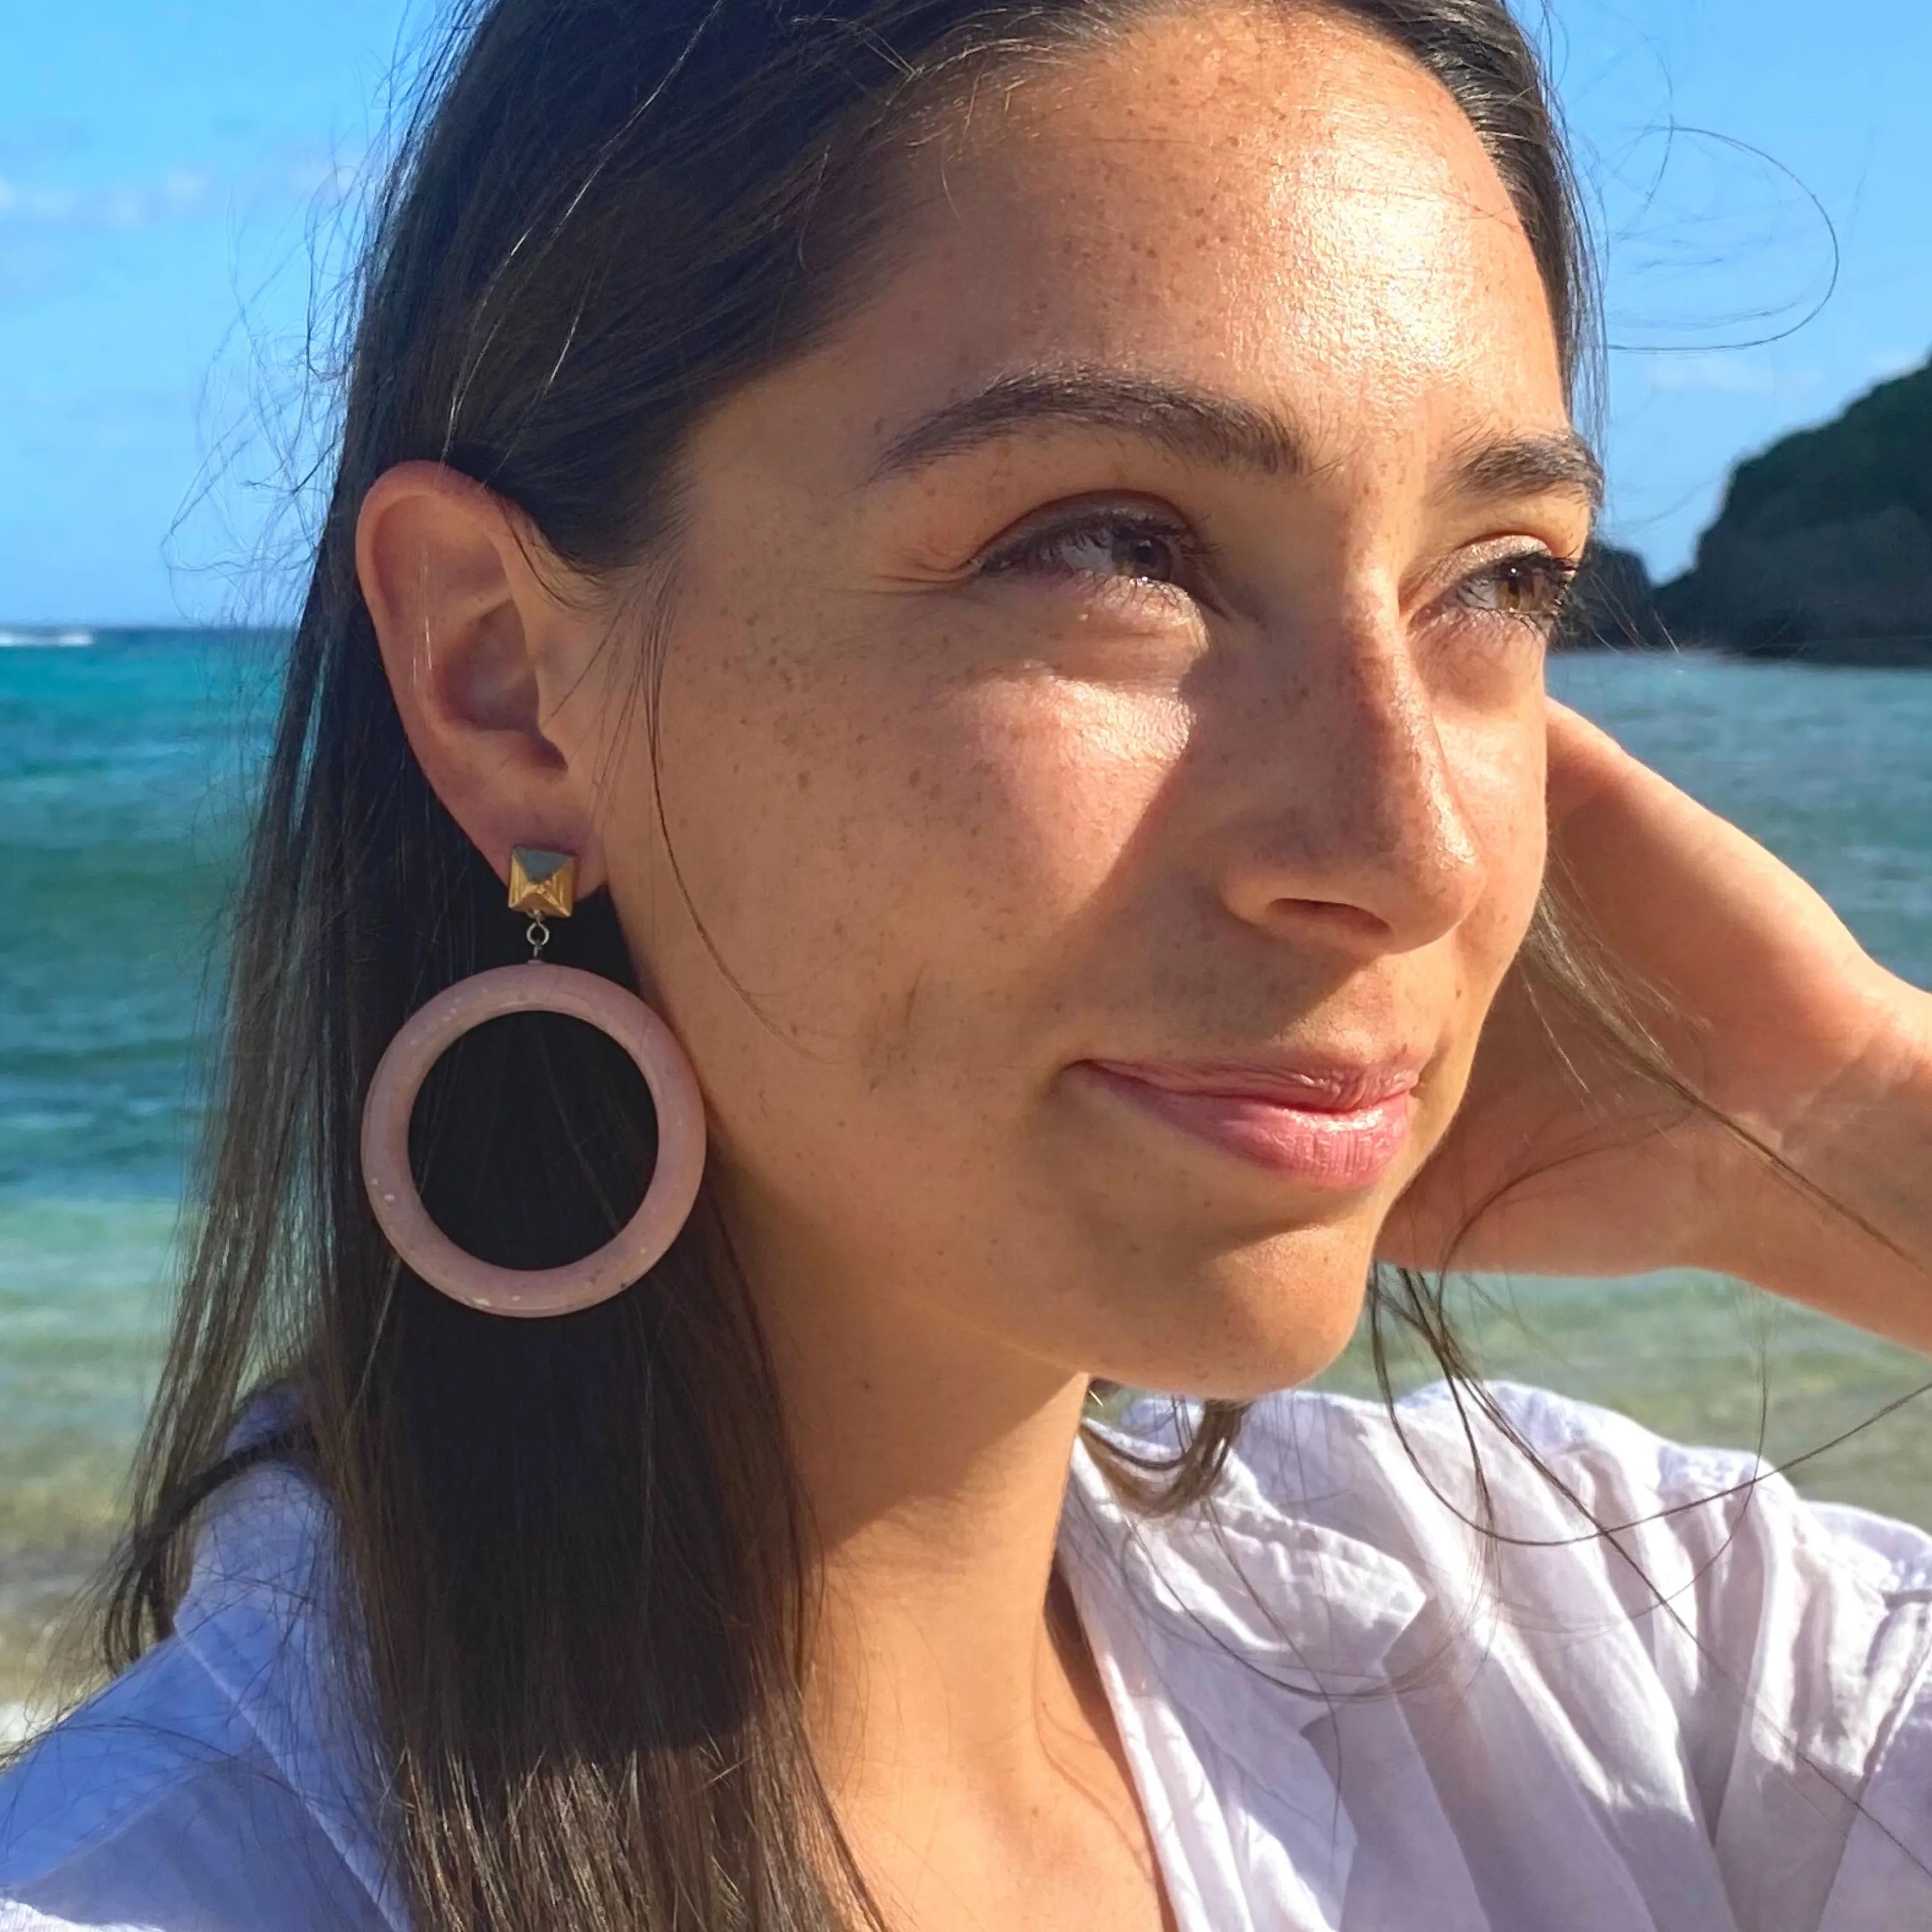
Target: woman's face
(1101,727)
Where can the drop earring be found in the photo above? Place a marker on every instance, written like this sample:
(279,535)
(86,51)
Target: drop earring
(542,886)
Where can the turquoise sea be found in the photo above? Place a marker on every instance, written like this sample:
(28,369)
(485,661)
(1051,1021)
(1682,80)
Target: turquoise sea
(124,765)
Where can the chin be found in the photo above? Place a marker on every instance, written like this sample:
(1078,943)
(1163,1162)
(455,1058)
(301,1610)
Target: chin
(1256,1324)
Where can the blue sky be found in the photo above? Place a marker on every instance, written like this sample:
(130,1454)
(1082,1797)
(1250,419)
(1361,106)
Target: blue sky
(170,170)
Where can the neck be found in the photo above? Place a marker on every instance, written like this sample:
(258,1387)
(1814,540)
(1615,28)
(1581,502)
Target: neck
(933,1465)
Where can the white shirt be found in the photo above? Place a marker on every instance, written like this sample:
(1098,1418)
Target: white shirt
(1340,1717)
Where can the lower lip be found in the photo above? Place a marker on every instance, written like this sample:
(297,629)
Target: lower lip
(1312,1145)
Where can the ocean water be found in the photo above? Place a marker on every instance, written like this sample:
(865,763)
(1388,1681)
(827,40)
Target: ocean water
(125,759)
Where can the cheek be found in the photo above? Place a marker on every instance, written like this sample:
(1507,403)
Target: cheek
(1036,786)
(891,859)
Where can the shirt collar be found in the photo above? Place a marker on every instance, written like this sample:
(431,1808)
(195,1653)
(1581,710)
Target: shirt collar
(1224,1633)
(1255,1571)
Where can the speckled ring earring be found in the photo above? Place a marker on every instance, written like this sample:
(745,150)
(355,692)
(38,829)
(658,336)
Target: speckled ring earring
(543,885)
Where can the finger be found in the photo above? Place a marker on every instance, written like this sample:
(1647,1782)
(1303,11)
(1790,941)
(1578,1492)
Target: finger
(1603,797)
(1597,789)
(1676,883)
(1585,761)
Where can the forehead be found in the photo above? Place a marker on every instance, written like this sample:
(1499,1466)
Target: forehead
(1272,199)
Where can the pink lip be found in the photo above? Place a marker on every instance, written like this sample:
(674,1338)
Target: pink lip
(1329,1126)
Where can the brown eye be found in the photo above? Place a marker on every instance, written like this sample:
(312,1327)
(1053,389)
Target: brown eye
(1106,544)
(1529,587)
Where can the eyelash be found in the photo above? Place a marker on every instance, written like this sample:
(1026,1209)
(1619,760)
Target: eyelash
(1550,577)
(1031,549)
(1553,575)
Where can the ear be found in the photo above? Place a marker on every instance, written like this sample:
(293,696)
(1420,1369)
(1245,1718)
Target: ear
(480,654)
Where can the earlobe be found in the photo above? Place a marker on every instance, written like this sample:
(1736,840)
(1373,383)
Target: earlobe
(469,634)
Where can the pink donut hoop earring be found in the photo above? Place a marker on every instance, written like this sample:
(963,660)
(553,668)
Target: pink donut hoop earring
(542,884)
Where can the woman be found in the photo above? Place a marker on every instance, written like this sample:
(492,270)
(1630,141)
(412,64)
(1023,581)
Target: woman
(1013,550)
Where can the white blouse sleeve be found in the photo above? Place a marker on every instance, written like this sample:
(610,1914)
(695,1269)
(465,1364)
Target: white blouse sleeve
(1794,1640)
(198,1792)
(154,1809)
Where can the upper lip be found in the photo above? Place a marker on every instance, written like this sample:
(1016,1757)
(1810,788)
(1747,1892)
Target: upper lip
(1329,1086)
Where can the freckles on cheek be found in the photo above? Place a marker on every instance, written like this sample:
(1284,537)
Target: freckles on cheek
(1048,782)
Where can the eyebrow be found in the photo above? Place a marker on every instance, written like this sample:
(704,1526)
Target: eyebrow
(1196,423)
(1201,426)
(1527,465)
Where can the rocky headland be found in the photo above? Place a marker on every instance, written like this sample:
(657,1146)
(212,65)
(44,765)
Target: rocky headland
(1822,551)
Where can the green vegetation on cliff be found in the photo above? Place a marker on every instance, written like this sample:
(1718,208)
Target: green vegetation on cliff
(1823,548)
(1873,456)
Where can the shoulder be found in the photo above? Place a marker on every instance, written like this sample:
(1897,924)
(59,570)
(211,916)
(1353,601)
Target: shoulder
(1523,1511)
(1546,1544)
(1671,1635)
(1512,1468)
(214,1784)
(155,1806)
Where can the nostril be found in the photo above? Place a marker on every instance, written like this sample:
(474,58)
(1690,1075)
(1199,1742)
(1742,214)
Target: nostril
(1336,916)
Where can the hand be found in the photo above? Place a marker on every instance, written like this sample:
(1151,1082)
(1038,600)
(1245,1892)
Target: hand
(1759,1004)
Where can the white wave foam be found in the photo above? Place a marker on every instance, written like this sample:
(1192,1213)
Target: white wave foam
(72,638)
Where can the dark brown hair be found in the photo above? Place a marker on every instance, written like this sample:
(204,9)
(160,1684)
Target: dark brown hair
(574,1559)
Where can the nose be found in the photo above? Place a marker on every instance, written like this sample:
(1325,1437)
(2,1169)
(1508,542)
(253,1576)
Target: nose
(1340,812)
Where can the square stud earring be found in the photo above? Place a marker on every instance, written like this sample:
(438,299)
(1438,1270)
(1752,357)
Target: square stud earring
(543,884)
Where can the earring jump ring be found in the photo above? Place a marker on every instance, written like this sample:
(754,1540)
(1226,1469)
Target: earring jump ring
(428,1035)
